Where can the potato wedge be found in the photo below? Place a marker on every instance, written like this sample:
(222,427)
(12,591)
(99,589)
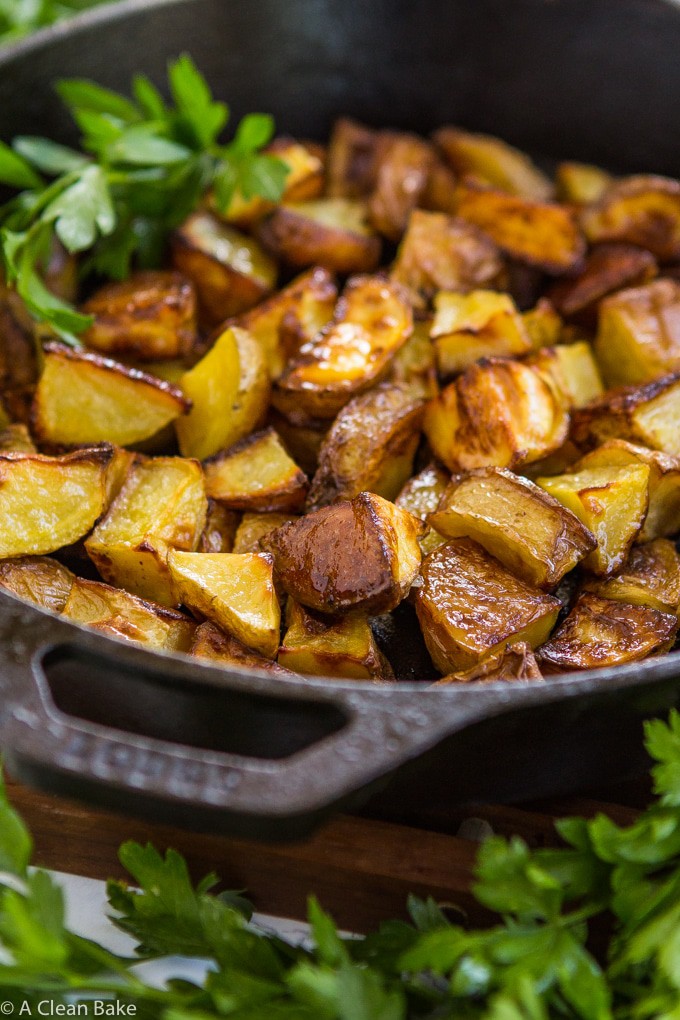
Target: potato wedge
(494,161)
(414,367)
(642,210)
(421,496)
(229,391)
(638,336)
(330,232)
(607,268)
(161,506)
(469,606)
(542,234)
(151,315)
(256,474)
(649,577)
(527,530)
(573,369)
(581,183)
(344,646)
(235,592)
(543,325)
(440,190)
(49,502)
(499,413)
(516,661)
(84,398)
(611,502)
(16,438)
(647,414)
(225,650)
(600,632)
(229,270)
(254,527)
(372,321)
(440,252)
(119,614)
(358,554)
(481,324)
(403,170)
(38,579)
(220,529)
(370,446)
(353,154)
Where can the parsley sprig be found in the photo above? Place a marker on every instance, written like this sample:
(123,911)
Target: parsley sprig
(533,964)
(144,166)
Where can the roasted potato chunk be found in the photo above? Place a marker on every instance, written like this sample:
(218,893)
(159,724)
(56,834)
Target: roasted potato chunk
(358,554)
(342,646)
(581,183)
(302,437)
(150,316)
(84,398)
(414,366)
(421,496)
(611,502)
(607,269)
(254,527)
(647,414)
(469,606)
(353,154)
(494,161)
(225,650)
(573,369)
(16,438)
(481,324)
(600,632)
(542,234)
(256,474)
(49,502)
(229,391)
(370,446)
(161,506)
(440,252)
(229,270)
(220,529)
(543,325)
(372,321)
(649,577)
(37,579)
(513,662)
(642,210)
(638,336)
(402,174)
(119,614)
(529,531)
(235,592)
(499,413)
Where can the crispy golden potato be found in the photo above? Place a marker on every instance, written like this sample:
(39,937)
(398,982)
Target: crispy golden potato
(647,414)
(608,268)
(638,336)
(15,438)
(649,577)
(499,413)
(440,252)
(353,155)
(581,183)
(494,161)
(402,173)
(256,474)
(414,367)
(529,531)
(358,554)
(573,369)
(234,591)
(343,646)
(225,650)
(49,502)
(220,529)
(84,398)
(611,502)
(372,321)
(515,661)
(254,527)
(229,391)
(306,304)
(119,614)
(469,606)
(642,210)
(330,232)
(543,325)
(302,437)
(542,234)
(600,632)
(370,446)
(421,496)
(229,270)
(161,506)
(37,579)
(663,513)
(481,324)
(151,315)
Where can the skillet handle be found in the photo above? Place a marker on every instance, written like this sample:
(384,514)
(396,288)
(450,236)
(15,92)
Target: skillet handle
(191,744)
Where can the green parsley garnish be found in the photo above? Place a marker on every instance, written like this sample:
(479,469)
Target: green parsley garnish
(144,166)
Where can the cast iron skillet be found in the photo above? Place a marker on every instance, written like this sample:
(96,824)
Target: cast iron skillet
(185,742)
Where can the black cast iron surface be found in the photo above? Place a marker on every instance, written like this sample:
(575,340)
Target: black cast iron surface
(195,745)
